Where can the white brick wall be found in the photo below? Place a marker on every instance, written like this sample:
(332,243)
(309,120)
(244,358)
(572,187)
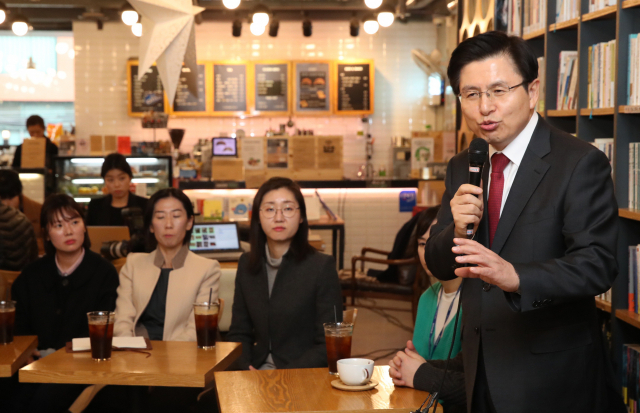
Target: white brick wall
(400,86)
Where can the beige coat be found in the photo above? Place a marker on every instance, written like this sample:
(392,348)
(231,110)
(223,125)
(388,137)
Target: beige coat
(189,282)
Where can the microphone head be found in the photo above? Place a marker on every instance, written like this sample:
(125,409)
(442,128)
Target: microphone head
(478,151)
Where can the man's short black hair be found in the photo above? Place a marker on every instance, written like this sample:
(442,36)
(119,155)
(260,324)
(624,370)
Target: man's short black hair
(116,161)
(34,120)
(10,185)
(492,44)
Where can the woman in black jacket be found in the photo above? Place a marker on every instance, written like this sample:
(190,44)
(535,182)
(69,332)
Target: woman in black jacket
(54,294)
(285,290)
(107,211)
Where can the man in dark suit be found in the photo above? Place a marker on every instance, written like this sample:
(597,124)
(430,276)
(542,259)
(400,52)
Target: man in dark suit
(545,234)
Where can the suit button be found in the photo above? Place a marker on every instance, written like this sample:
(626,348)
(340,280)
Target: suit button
(65,282)
(477,330)
(486,286)
(546,301)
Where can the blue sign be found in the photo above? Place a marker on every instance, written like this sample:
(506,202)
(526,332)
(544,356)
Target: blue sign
(407,200)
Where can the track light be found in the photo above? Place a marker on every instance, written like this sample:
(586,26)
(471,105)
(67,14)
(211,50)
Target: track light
(20,25)
(236,28)
(273,27)
(373,4)
(354,27)
(136,29)
(256,29)
(129,15)
(386,15)
(370,25)
(307,27)
(231,4)
(260,15)
(3,12)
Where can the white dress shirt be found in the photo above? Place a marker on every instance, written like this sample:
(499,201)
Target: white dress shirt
(515,152)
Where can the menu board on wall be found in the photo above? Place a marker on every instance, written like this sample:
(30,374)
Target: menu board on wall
(272,87)
(354,88)
(311,87)
(145,94)
(187,102)
(229,88)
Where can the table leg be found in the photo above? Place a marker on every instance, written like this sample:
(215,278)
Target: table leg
(341,260)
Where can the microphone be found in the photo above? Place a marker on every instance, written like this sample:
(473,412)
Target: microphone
(478,152)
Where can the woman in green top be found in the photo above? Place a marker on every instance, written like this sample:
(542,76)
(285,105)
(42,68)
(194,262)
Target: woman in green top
(433,331)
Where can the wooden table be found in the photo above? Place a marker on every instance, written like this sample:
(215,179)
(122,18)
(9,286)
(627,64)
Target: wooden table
(309,390)
(172,363)
(14,355)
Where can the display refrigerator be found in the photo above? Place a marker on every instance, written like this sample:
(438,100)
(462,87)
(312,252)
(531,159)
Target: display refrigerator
(79,176)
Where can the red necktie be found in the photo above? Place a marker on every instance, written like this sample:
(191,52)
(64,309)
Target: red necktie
(498,162)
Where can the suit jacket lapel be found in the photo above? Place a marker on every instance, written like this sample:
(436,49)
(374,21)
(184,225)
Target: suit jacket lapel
(530,173)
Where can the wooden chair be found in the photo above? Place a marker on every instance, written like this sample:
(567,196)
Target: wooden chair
(220,309)
(409,289)
(6,281)
(119,263)
(349,316)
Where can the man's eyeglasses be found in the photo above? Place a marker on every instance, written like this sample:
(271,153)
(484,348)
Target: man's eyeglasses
(287,212)
(494,93)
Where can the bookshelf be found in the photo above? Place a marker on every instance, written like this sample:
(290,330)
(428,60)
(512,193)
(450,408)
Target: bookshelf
(620,122)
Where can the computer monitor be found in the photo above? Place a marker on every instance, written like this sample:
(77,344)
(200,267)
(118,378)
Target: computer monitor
(215,237)
(224,147)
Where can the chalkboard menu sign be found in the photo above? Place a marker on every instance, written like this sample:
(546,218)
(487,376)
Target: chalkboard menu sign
(271,87)
(145,94)
(186,101)
(312,87)
(355,88)
(229,88)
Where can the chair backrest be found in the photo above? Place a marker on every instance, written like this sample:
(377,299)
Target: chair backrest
(225,293)
(6,281)
(119,263)
(221,309)
(349,316)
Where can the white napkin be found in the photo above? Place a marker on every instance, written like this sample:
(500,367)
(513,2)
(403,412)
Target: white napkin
(82,344)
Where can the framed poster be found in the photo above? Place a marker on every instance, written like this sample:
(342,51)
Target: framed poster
(271,88)
(311,88)
(353,87)
(186,104)
(230,88)
(145,94)
(277,153)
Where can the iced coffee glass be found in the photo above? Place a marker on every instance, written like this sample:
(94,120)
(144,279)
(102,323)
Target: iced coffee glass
(206,323)
(338,339)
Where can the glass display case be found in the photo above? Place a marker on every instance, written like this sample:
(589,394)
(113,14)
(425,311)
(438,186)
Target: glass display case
(80,176)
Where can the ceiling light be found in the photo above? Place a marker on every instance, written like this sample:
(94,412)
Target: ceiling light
(354,27)
(129,15)
(31,64)
(273,27)
(373,4)
(3,12)
(256,29)
(451,6)
(236,28)
(370,26)
(136,29)
(231,4)
(20,25)
(307,28)
(6,134)
(260,15)
(386,15)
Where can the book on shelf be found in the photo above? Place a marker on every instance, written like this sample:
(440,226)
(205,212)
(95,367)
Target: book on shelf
(566,10)
(606,146)
(633,72)
(568,70)
(543,88)
(595,5)
(535,15)
(508,17)
(634,176)
(602,70)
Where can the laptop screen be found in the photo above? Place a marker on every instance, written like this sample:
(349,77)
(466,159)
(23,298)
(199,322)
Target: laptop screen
(215,237)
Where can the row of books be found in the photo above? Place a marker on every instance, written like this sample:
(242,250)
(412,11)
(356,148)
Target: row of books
(567,80)
(634,175)
(566,10)
(631,375)
(514,23)
(543,88)
(633,71)
(595,5)
(633,284)
(606,146)
(535,15)
(602,74)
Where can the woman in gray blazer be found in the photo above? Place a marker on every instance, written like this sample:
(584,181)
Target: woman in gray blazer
(285,289)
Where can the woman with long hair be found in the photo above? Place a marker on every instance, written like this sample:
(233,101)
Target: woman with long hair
(285,289)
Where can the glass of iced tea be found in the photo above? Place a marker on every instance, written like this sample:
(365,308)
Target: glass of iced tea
(338,339)
(206,323)
(7,318)
(101,334)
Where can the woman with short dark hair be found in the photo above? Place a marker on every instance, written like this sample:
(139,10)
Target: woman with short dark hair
(285,289)
(117,175)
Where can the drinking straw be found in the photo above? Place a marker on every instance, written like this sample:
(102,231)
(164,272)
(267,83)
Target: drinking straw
(106,330)
(335,313)
(210,293)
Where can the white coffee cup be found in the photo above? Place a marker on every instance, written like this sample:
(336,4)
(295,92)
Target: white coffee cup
(355,372)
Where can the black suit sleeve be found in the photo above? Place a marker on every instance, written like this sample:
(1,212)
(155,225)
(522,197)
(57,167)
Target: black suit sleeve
(241,329)
(590,233)
(428,378)
(17,158)
(328,300)
(438,255)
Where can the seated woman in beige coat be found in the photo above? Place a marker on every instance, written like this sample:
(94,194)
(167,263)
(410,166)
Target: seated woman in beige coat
(157,290)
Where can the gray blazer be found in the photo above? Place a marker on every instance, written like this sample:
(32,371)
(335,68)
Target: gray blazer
(303,298)
(543,350)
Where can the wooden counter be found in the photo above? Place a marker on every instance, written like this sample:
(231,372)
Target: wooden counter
(14,355)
